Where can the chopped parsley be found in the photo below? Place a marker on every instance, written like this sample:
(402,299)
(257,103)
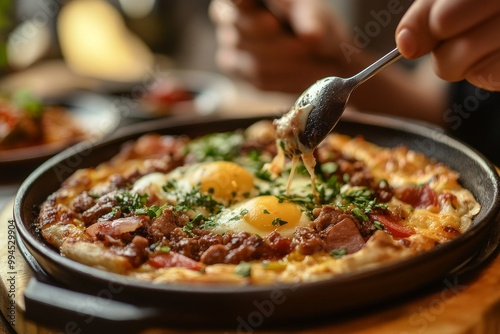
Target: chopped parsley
(217,146)
(192,199)
(329,190)
(244,269)
(279,222)
(378,225)
(338,253)
(93,195)
(263,175)
(165,249)
(130,202)
(305,201)
(255,155)
(281,144)
(154,211)
(328,168)
(361,202)
(238,216)
(188,228)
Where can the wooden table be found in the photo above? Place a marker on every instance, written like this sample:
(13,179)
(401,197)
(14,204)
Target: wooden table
(449,307)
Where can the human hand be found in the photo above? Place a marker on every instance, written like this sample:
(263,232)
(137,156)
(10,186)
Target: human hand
(254,45)
(462,36)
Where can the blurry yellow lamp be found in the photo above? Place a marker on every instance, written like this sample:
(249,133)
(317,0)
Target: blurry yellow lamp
(96,43)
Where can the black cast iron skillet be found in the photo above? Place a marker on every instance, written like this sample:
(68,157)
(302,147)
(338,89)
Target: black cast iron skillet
(113,300)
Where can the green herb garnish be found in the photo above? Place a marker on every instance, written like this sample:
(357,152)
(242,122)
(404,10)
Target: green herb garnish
(216,147)
(244,269)
(28,102)
(363,201)
(279,222)
(378,225)
(338,253)
(129,202)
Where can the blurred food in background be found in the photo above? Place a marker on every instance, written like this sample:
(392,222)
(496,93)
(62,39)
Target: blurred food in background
(96,43)
(25,122)
(174,92)
(157,57)
(148,54)
(116,40)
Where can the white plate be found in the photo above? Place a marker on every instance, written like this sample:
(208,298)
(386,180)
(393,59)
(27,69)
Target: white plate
(94,113)
(210,91)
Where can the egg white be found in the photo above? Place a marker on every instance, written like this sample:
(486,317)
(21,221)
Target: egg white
(229,216)
(232,220)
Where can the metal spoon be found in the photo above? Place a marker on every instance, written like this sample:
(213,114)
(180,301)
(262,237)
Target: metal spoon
(325,102)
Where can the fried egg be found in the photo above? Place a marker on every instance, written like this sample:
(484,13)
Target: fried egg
(227,182)
(224,180)
(261,215)
(248,204)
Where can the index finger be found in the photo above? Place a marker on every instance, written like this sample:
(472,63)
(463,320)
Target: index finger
(414,37)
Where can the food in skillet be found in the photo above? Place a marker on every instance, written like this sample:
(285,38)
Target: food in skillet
(26,122)
(215,209)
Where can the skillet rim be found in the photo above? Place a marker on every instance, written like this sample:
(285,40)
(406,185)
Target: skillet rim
(474,235)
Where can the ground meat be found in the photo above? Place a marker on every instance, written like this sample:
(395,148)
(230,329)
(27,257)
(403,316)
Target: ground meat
(162,165)
(234,248)
(136,251)
(384,192)
(161,226)
(261,146)
(357,171)
(326,153)
(279,244)
(209,239)
(211,248)
(323,234)
(91,215)
(214,254)
(361,178)
(307,240)
(102,206)
(152,146)
(243,247)
(82,202)
(326,216)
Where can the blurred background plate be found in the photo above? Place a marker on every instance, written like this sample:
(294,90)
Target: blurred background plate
(96,115)
(171,92)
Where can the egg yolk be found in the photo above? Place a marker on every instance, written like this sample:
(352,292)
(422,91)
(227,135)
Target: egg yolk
(224,180)
(266,213)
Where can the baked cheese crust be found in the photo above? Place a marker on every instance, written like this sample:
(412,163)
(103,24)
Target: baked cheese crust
(208,210)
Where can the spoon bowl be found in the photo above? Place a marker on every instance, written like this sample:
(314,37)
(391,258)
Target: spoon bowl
(329,97)
(318,109)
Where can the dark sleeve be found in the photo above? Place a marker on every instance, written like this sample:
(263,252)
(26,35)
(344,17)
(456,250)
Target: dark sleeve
(473,116)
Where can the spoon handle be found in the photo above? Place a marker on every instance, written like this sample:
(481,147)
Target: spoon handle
(376,67)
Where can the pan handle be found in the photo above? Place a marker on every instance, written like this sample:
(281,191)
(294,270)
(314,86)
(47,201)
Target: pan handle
(72,311)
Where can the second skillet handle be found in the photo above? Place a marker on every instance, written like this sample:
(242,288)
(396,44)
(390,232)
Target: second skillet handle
(73,311)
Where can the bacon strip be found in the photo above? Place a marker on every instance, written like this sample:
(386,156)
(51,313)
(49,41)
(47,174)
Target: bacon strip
(115,227)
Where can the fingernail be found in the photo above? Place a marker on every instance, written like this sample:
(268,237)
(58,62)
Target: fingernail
(407,43)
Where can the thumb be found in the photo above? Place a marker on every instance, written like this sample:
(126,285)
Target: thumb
(413,34)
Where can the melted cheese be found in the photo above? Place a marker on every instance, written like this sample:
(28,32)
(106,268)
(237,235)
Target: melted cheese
(249,204)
